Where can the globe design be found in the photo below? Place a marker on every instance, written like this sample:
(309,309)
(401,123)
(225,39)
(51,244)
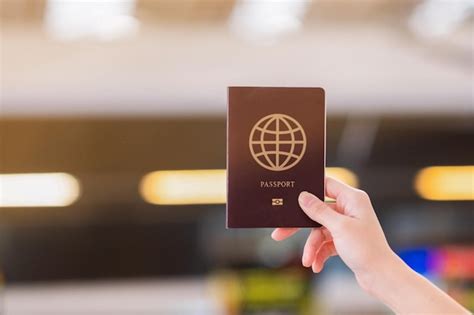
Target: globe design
(277,142)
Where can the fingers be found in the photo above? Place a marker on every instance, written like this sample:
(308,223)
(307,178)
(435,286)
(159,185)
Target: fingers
(334,188)
(314,241)
(279,234)
(353,202)
(320,212)
(326,250)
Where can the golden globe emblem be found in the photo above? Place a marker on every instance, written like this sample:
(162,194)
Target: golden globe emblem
(277,142)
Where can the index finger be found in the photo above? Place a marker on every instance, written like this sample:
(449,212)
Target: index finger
(335,188)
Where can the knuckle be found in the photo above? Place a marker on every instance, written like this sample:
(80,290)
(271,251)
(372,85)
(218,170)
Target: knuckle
(353,196)
(361,196)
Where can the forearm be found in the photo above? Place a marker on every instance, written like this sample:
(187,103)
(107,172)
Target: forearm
(407,292)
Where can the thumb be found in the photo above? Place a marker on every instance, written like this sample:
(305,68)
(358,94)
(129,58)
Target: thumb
(320,212)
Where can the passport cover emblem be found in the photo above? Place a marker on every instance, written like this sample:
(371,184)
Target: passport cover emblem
(277,142)
(275,150)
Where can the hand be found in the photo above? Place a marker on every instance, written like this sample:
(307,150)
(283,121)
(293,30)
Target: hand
(350,229)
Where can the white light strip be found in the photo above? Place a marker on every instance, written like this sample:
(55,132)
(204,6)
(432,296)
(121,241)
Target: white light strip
(434,18)
(264,20)
(38,190)
(105,20)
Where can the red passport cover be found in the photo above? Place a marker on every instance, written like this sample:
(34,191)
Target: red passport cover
(275,149)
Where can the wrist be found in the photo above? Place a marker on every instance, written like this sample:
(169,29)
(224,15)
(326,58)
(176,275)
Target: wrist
(383,271)
(389,281)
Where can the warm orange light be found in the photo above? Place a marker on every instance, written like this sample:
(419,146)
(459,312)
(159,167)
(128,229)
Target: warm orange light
(446,182)
(183,187)
(344,175)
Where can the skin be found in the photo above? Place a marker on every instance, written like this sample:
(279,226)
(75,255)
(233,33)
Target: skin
(350,229)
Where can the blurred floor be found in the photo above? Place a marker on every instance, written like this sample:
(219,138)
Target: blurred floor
(187,296)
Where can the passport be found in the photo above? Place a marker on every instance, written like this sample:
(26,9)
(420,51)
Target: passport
(276,142)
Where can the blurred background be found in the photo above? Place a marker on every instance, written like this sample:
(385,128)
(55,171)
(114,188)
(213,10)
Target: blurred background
(113,137)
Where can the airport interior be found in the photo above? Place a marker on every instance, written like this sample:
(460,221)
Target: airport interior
(113,150)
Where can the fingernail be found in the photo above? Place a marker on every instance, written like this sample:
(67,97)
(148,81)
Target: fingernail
(305,258)
(306,199)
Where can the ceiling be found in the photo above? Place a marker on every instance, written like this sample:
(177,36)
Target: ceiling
(183,55)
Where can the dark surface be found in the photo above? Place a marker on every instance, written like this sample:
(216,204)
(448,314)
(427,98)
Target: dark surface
(100,251)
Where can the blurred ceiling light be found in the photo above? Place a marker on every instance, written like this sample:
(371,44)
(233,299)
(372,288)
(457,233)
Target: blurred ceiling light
(38,190)
(446,183)
(265,20)
(104,20)
(344,175)
(185,187)
(433,18)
